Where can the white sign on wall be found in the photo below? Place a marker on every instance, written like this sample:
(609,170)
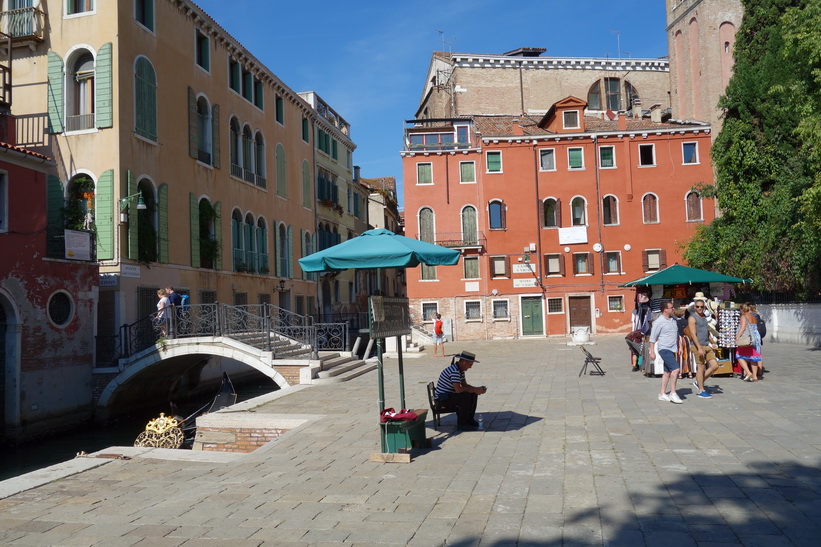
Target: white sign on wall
(109,280)
(129,270)
(78,245)
(574,234)
(471,286)
(524,268)
(524,283)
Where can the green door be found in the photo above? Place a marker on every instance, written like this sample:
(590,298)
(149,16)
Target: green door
(532,315)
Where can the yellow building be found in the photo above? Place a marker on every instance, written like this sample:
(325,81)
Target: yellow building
(191,160)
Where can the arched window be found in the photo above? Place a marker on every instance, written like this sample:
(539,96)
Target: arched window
(204,146)
(236,241)
(551,213)
(496,212)
(577,211)
(147,223)
(79,207)
(650,209)
(306,184)
(248,234)
(631,93)
(247,154)
(236,169)
(80,93)
(610,211)
(693,203)
(145,99)
(427,233)
(259,156)
(262,246)
(470,230)
(282,184)
(594,96)
(209,246)
(284,252)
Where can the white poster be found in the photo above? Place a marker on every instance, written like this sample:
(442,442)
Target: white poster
(575,234)
(78,245)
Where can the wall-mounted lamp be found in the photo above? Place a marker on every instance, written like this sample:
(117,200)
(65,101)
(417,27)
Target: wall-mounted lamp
(124,205)
(281,286)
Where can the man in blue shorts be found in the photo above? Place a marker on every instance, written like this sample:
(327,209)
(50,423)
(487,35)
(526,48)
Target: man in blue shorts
(664,338)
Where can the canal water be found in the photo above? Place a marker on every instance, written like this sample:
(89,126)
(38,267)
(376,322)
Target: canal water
(15,461)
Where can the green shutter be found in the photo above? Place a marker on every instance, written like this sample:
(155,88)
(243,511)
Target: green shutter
(494,162)
(193,125)
(302,251)
(104,215)
(215,138)
(162,211)
(290,236)
(575,158)
(282,186)
(218,234)
(133,225)
(55,93)
(104,81)
(194,212)
(55,234)
(149,14)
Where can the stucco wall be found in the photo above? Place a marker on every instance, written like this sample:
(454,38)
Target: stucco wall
(792,323)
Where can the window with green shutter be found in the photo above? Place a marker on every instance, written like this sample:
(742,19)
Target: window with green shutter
(280,110)
(424,173)
(494,162)
(144,13)
(55,215)
(282,186)
(162,224)
(306,130)
(103,81)
(258,94)
(306,185)
(467,172)
(202,53)
(104,215)
(55,93)
(234,75)
(145,98)
(334,149)
(575,158)
(607,158)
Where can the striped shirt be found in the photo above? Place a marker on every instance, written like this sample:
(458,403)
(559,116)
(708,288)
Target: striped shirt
(452,374)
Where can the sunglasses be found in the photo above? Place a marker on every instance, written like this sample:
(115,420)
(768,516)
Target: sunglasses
(699,307)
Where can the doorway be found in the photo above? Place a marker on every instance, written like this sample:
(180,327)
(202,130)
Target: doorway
(580,315)
(532,320)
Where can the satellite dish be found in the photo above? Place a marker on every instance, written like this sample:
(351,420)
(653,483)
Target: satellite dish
(494,292)
(627,247)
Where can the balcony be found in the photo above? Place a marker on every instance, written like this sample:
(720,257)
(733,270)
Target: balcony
(436,135)
(458,240)
(80,122)
(26,26)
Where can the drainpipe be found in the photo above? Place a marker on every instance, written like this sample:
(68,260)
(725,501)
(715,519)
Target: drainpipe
(540,256)
(599,209)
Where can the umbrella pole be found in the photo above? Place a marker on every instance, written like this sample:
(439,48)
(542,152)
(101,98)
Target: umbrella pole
(401,372)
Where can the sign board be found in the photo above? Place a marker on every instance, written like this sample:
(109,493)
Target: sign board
(471,286)
(129,270)
(78,245)
(524,283)
(389,316)
(524,268)
(109,280)
(574,234)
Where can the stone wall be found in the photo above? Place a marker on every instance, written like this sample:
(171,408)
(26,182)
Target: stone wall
(216,439)
(792,323)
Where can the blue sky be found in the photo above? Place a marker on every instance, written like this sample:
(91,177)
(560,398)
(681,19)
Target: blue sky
(368,59)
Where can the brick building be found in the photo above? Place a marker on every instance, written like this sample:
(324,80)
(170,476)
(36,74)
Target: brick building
(551,213)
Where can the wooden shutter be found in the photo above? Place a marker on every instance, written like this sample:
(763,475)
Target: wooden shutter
(133,224)
(55,93)
(645,261)
(104,215)
(591,260)
(290,235)
(194,225)
(558,213)
(193,125)
(218,234)
(56,224)
(215,136)
(561,265)
(104,82)
(162,221)
(542,205)
(662,259)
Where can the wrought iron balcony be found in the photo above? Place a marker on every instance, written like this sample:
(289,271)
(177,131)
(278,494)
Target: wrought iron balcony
(459,240)
(25,25)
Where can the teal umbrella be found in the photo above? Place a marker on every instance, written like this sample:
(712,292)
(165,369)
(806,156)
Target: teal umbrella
(678,275)
(379,248)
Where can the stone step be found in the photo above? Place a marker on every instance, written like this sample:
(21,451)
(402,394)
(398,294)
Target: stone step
(363,367)
(338,365)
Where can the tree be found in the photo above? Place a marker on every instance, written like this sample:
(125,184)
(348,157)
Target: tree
(767,155)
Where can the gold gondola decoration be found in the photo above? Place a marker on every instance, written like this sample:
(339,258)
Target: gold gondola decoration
(162,432)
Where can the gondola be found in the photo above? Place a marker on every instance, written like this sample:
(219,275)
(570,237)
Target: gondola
(177,432)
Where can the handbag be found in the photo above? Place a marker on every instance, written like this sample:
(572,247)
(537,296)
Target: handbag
(745,340)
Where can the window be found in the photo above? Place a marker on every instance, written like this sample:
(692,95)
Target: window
(613,93)
(429,311)
(60,309)
(235,148)
(145,98)
(632,94)
(689,152)
(470,229)
(428,273)
(427,234)
(471,264)
(494,162)
(555,305)
(551,213)
(467,172)
(650,209)
(647,155)
(499,266)
(202,53)
(259,160)
(234,75)
(615,303)
(80,98)
(496,212)
(306,185)
(473,310)
(306,130)
(334,149)
(554,264)
(424,173)
(654,259)
(258,94)
(79,6)
(284,247)
(577,211)
(280,110)
(282,183)
(610,211)
(500,309)
(547,159)
(693,201)
(204,132)
(594,97)
(261,237)
(607,157)
(209,237)
(144,13)
(4,203)
(575,158)
(612,262)
(570,119)
(582,264)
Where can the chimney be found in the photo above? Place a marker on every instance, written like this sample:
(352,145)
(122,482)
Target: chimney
(356,169)
(655,113)
(517,128)
(622,122)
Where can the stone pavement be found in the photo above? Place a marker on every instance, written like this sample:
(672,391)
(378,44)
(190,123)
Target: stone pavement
(564,461)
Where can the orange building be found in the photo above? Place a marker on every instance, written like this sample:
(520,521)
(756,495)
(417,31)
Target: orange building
(551,215)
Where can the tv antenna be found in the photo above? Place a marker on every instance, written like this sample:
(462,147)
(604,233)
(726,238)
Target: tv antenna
(444,43)
(618,42)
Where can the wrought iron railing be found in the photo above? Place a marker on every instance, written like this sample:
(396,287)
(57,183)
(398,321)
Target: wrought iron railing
(459,239)
(23,23)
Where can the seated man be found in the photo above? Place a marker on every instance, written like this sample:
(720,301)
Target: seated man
(455,394)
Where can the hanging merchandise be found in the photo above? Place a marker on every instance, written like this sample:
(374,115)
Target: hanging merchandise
(728,321)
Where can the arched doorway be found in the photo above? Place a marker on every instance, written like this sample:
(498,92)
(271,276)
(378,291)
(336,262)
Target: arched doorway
(9,363)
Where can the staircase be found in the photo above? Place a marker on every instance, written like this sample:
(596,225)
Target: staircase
(335,368)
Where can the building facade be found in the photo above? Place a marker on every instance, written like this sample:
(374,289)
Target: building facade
(551,213)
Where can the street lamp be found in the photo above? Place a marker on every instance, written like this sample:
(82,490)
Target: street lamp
(281,286)
(124,205)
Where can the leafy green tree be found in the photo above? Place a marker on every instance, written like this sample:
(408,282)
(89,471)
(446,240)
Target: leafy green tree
(767,155)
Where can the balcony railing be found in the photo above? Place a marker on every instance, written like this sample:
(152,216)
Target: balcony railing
(459,240)
(80,122)
(23,24)
(438,134)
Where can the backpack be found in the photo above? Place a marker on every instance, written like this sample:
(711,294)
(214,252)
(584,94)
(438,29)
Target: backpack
(437,327)
(762,326)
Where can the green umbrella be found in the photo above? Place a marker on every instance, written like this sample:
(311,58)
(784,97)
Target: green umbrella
(678,274)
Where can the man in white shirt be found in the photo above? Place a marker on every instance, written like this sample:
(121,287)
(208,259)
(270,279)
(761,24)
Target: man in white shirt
(664,337)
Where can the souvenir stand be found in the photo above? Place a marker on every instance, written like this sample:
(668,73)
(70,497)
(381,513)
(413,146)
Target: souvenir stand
(679,284)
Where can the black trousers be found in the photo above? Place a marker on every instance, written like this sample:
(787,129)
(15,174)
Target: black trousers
(464,404)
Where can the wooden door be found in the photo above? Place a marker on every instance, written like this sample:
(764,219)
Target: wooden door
(532,316)
(580,312)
